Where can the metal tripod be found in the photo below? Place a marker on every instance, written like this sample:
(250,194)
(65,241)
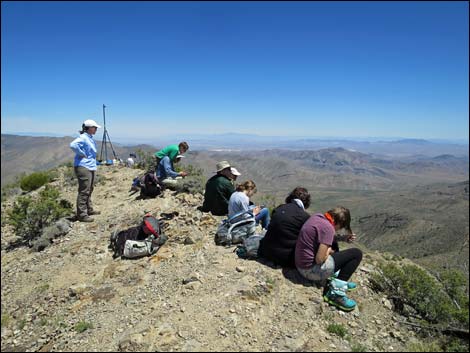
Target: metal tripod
(105,141)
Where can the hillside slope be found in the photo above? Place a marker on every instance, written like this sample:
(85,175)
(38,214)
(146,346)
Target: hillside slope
(27,154)
(190,296)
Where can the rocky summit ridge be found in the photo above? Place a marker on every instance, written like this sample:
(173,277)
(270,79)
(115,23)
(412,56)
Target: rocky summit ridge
(190,296)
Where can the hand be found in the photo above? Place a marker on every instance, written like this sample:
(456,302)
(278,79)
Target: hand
(330,251)
(351,237)
(256,210)
(183,174)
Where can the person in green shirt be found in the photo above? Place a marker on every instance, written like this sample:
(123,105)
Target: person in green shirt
(219,188)
(171,151)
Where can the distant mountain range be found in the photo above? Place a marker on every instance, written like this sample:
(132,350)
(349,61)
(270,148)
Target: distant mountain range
(397,147)
(415,205)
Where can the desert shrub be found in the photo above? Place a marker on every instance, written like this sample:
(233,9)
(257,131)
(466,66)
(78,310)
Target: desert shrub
(417,288)
(82,326)
(145,160)
(10,190)
(6,319)
(195,181)
(337,329)
(29,215)
(455,285)
(35,180)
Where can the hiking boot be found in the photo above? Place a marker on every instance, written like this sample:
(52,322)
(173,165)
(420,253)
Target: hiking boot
(91,213)
(86,219)
(339,299)
(343,285)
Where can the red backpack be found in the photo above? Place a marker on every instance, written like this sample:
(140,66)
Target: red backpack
(151,225)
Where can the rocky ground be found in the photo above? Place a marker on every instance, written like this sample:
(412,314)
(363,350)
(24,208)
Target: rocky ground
(190,296)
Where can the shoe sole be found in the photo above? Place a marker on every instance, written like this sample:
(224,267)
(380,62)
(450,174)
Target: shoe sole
(337,305)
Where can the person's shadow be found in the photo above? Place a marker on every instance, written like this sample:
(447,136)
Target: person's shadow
(289,273)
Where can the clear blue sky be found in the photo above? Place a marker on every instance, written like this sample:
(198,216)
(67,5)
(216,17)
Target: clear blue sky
(346,69)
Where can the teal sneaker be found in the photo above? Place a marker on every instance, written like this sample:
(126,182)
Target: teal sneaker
(346,286)
(339,299)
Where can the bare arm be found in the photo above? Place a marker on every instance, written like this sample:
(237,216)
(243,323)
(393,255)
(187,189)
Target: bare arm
(322,254)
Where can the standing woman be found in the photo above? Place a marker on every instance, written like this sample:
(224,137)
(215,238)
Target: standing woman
(85,168)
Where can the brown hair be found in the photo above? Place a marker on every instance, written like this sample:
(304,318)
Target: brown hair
(184,145)
(301,194)
(342,217)
(247,185)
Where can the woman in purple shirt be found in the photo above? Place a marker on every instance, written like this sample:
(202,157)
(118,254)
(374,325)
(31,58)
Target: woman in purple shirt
(316,260)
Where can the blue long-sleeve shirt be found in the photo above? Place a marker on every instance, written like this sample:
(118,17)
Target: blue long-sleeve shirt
(85,151)
(165,169)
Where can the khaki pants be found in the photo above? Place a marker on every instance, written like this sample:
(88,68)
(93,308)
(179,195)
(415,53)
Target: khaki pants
(86,179)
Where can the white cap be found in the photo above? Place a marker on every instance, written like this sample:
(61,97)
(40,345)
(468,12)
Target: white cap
(234,171)
(90,123)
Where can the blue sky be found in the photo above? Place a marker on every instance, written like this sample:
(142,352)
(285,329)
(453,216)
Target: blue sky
(346,69)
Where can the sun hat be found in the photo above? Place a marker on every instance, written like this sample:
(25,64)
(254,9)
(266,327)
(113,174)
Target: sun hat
(234,171)
(90,123)
(222,165)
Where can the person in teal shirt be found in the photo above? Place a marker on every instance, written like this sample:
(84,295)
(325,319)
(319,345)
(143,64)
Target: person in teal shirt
(171,152)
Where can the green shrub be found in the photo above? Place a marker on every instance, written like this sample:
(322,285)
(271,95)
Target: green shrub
(29,216)
(82,326)
(21,324)
(337,329)
(5,320)
(456,345)
(414,286)
(455,284)
(35,180)
(195,181)
(145,160)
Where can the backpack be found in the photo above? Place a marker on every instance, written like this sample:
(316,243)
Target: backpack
(249,249)
(234,229)
(148,184)
(138,241)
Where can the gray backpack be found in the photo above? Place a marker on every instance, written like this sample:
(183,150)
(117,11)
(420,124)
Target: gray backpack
(138,248)
(236,228)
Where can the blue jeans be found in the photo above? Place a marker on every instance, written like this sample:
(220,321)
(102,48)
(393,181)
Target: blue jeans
(263,216)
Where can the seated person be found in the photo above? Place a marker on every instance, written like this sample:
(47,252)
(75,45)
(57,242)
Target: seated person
(316,260)
(278,245)
(219,188)
(166,173)
(240,201)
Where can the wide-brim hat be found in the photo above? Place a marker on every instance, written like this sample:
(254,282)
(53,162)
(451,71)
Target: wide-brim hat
(221,166)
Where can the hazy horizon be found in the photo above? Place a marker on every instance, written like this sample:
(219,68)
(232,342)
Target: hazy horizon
(99,135)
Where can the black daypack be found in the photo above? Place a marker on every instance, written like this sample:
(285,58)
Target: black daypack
(150,186)
(137,241)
